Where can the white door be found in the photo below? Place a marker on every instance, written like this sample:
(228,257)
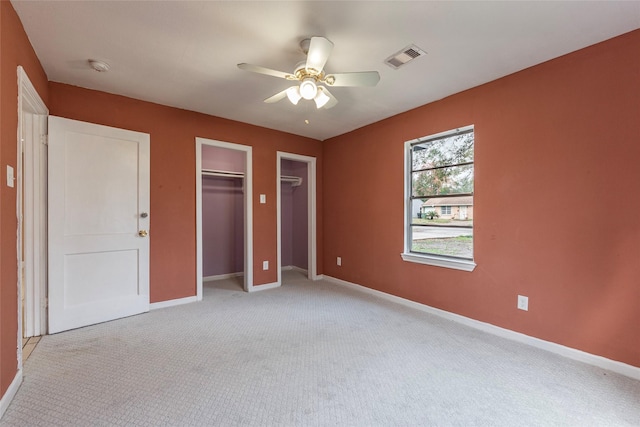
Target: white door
(98,223)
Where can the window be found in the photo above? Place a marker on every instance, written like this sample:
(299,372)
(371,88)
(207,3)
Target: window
(439,177)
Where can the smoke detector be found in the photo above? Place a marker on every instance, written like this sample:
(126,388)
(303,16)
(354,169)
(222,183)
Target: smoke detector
(99,66)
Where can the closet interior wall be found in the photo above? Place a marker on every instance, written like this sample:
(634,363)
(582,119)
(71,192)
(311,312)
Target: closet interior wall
(294,216)
(222,213)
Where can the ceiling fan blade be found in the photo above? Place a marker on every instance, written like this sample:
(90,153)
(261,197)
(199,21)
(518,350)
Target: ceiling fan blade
(277,97)
(319,51)
(362,78)
(332,99)
(267,71)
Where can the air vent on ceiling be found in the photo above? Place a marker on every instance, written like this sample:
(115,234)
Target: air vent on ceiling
(407,54)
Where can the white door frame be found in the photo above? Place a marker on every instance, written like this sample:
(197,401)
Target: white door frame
(31,208)
(312,272)
(248,211)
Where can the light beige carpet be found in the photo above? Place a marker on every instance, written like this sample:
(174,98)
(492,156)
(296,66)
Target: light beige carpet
(312,354)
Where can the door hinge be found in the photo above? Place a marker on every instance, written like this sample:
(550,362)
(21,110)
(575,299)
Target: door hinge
(44,139)
(46,302)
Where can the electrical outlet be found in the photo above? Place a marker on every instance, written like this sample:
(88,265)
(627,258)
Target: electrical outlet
(523,303)
(263,198)
(339,261)
(265,265)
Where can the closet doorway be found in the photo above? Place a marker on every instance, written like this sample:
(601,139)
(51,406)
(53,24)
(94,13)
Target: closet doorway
(296,199)
(223,213)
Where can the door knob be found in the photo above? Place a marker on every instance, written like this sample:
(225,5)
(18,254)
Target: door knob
(142,233)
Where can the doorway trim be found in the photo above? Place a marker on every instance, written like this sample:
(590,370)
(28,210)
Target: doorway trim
(31,209)
(312,272)
(248,211)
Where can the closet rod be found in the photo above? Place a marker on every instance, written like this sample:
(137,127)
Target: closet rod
(294,180)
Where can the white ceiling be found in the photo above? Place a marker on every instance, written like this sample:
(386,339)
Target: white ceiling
(184,53)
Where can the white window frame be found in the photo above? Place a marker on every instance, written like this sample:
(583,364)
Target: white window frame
(428,259)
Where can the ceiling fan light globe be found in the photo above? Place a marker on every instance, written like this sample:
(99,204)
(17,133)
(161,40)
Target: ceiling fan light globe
(293,93)
(321,98)
(308,89)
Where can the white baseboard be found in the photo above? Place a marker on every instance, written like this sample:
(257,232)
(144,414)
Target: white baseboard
(172,302)
(10,393)
(571,353)
(264,287)
(222,276)
(295,268)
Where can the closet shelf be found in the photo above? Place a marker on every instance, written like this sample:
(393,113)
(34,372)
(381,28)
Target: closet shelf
(227,174)
(294,180)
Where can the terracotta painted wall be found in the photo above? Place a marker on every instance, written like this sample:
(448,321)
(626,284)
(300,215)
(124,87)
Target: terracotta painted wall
(15,50)
(173,132)
(563,133)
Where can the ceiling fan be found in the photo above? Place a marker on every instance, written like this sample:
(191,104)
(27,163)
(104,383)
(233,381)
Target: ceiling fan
(311,75)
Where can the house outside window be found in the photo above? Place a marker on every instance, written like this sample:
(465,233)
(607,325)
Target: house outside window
(439,172)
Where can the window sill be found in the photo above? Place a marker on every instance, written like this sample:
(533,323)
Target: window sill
(440,261)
